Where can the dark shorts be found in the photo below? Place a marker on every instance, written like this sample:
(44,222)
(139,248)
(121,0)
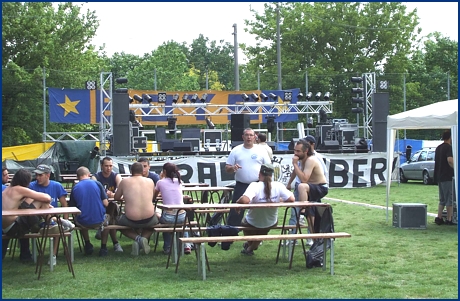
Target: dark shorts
(254,230)
(317,192)
(123,220)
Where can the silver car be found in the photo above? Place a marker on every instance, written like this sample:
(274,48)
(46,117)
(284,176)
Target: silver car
(419,167)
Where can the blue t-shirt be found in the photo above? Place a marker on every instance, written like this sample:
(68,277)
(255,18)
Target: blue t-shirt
(3,187)
(54,189)
(108,183)
(154,176)
(87,195)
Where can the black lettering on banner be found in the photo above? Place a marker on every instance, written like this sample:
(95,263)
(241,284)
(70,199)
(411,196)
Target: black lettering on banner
(333,172)
(357,173)
(225,176)
(211,175)
(189,172)
(378,171)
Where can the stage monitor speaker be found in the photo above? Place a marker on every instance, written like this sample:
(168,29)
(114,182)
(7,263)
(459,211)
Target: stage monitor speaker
(239,122)
(195,143)
(121,142)
(167,146)
(182,147)
(120,108)
(409,215)
(191,133)
(139,142)
(330,145)
(293,143)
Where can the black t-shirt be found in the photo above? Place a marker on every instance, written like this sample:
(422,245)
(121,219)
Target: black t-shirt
(442,170)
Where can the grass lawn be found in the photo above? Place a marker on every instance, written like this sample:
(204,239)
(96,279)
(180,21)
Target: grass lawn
(378,261)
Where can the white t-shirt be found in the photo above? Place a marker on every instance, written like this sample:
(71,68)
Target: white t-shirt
(268,149)
(250,161)
(265,217)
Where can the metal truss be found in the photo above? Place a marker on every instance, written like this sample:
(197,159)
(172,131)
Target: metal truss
(256,108)
(370,89)
(76,136)
(105,122)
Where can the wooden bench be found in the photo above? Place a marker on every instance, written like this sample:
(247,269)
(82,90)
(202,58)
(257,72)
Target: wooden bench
(200,243)
(35,236)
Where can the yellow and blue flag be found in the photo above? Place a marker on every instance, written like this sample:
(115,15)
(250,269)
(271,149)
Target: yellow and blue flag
(74,105)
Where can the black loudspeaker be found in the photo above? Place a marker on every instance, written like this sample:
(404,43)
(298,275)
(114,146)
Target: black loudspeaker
(293,143)
(167,146)
(330,144)
(380,111)
(120,108)
(409,215)
(121,143)
(323,133)
(239,122)
(182,147)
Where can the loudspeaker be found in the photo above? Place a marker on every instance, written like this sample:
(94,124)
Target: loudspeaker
(167,146)
(380,111)
(293,143)
(120,108)
(323,133)
(121,142)
(330,144)
(238,123)
(409,215)
(182,147)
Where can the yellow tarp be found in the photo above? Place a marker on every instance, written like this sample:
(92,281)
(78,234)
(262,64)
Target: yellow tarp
(25,152)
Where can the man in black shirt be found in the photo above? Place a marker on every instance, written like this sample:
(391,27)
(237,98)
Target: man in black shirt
(443,173)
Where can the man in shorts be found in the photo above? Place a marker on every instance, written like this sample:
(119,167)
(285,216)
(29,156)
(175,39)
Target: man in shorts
(443,173)
(137,193)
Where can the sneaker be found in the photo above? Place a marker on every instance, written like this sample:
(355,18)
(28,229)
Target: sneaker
(246,252)
(439,221)
(187,250)
(117,247)
(53,228)
(67,225)
(54,261)
(449,223)
(144,244)
(310,242)
(135,249)
(166,251)
(104,223)
(302,220)
(103,252)
(89,249)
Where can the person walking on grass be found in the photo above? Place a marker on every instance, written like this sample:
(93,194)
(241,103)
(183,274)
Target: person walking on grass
(89,196)
(137,194)
(262,219)
(244,161)
(443,173)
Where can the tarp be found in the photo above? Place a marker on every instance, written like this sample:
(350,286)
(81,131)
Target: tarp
(440,115)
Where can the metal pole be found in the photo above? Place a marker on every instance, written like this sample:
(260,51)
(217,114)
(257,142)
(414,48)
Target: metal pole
(278,45)
(404,98)
(258,80)
(206,79)
(237,72)
(448,86)
(306,83)
(155,79)
(44,104)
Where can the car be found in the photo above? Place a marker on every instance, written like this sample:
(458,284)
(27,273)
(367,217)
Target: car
(420,166)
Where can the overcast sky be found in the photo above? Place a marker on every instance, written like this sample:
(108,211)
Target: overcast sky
(138,28)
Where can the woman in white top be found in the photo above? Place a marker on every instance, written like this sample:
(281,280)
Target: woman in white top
(262,219)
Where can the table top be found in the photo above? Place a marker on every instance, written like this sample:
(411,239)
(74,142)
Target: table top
(53,211)
(207,188)
(195,185)
(245,206)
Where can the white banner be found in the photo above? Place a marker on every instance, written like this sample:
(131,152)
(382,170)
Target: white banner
(345,170)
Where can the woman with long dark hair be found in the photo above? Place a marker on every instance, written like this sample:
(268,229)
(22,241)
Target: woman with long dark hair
(171,191)
(262,219)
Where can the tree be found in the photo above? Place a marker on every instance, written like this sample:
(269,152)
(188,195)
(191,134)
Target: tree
(42,41)
(332,41)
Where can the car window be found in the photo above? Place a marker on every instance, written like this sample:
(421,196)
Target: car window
(415,157)
(422,156)
(430,156)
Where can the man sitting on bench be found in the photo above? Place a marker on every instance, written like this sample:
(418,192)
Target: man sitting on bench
(18,195)
(264,191)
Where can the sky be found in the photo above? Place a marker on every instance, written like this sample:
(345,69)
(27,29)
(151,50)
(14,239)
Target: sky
(139,28)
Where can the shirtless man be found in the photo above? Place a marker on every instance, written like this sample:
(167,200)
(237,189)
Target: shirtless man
(18,195)
(313,184)
(137,192)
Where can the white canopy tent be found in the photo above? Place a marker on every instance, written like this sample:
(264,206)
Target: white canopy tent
(440,115)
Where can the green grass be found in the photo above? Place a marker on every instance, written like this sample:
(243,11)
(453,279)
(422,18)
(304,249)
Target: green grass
(378,261)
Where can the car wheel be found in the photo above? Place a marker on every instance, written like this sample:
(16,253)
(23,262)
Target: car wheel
(402,178)
(426,178)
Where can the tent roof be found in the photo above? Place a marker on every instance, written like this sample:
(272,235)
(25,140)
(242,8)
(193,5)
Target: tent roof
(440,115)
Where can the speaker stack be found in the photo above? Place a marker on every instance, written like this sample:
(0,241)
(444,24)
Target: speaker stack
(380,111)
(121,143)
(238,123)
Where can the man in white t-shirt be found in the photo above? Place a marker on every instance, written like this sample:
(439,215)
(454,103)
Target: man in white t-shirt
(244,160)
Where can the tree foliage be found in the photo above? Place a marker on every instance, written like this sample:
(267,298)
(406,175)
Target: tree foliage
(38,36)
